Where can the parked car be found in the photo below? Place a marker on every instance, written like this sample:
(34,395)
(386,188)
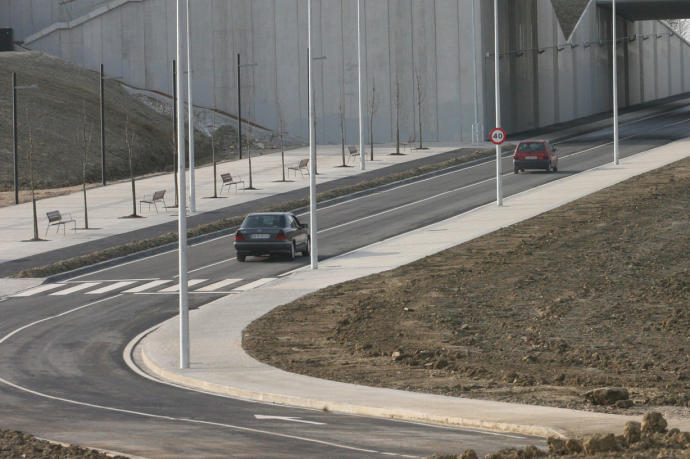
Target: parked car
(271,233)
(535,154)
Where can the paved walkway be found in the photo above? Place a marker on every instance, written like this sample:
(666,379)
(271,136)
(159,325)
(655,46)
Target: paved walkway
(219,364)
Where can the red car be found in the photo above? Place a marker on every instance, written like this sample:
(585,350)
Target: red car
(535,154)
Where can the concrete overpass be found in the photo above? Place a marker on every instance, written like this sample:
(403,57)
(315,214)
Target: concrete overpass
(644,10)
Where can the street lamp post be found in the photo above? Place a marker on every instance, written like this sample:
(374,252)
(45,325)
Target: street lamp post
(476,129)
(14,132)
(615,84)
(182,215)
(312,157)
(499,184)
(313,102)
(190,108)
(360,82)
(239,117)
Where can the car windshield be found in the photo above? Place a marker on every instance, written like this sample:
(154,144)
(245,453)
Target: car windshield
(264,221)
(531,146)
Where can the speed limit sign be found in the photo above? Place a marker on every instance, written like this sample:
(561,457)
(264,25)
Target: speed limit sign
(497,135)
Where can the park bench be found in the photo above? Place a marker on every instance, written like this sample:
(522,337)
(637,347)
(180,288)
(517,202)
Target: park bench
(353,152)
(158,196)
(55,218)
(302,166)
(228,181)
(410,141)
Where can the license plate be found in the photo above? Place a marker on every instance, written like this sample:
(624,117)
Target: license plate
(530,157)
(260,236)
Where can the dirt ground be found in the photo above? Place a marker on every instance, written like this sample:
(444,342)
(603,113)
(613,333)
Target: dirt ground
(595,293)
(17,444)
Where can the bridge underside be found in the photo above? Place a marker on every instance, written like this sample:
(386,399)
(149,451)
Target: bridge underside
(644,10)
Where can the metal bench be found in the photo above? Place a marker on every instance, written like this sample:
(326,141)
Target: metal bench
(302,167)
(158,196)
(410,141)
(55,218)
(228,181)
(353,152)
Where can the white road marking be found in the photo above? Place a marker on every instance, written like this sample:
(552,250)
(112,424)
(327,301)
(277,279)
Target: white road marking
(39,289)
(253,285)
(146,286)
(76,288)
(212,264)
(151,415)
(176,287)
(288,418)
(110,288)
(218,285)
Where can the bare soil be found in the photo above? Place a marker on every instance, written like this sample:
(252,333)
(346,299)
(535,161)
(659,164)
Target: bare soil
(595,293)
(17,444)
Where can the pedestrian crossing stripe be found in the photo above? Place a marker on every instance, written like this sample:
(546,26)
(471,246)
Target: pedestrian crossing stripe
(152,287)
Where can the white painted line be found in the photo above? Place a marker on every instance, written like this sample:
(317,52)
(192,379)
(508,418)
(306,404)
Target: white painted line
(288,419)
(110,288)
(253,285)
(147,286)
(176,287)
(76,288)
(218,285)
(39,289)
(212,264)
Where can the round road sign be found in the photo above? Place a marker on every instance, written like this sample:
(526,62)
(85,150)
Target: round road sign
(497,136)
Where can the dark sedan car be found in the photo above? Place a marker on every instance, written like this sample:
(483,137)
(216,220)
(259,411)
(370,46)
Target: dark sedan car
(272,233)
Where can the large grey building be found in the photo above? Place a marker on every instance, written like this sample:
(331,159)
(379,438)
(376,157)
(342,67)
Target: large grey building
(548,75)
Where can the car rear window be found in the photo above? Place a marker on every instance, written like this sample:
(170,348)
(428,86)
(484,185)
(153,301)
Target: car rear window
(264,221)
(531,146)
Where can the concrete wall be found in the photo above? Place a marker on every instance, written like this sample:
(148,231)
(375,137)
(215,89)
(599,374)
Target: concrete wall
(544,80)
(548,79)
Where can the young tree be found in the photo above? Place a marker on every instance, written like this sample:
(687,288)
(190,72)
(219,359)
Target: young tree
(281,133)
(373,106)
(129,140)
(84,137)
(421,95)
(341,109)
(31,176)
(397,115)
(213,157)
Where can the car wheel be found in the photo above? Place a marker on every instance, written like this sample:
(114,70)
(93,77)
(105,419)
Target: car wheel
(307,248)
(292,251)
(241,257)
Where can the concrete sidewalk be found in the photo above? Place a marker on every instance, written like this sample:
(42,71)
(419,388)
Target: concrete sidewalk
(219,364)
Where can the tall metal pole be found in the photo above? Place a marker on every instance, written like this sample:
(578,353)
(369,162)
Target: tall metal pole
(499,184)
(615,85)
(190,108)
(239,104)
(362,159)
(14,138)
(312,157)
(102,97)
(182,216)
(475,129)
(175,161)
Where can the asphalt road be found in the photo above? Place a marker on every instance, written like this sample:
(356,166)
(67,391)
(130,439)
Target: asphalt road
(62,375)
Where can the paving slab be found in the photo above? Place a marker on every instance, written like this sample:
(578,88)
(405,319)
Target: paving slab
(220,365)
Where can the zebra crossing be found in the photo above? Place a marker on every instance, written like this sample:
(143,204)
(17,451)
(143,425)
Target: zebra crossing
(145,287)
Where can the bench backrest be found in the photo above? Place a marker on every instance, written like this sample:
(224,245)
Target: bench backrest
(227,177)
(352,149)
(54,216)
(413,138)
(159,195)
(303,163)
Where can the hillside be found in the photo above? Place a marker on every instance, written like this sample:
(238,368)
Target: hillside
(54,112)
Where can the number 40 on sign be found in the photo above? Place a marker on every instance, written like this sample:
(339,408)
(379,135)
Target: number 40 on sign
(497,136)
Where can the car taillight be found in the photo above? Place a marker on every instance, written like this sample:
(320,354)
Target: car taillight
(280,235)
(239,236)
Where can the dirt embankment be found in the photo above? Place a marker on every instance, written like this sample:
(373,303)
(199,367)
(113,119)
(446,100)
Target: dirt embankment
(595,293)
(54,115)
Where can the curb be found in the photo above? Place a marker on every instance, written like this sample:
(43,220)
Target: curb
(344,408)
